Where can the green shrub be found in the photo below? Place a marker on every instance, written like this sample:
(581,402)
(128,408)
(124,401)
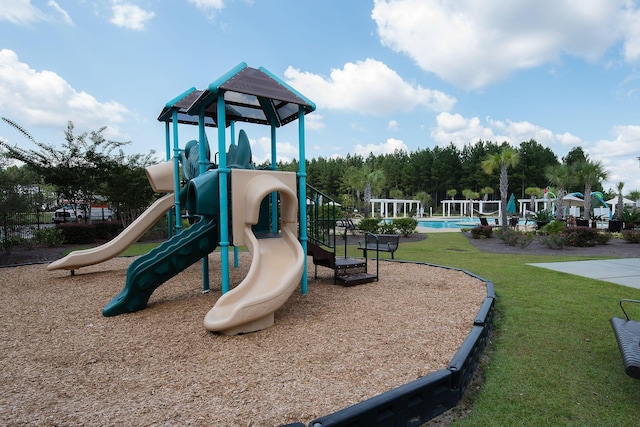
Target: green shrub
(554,240)
(405,226)
(369,225)
(631,236)
(554,227)
(387,227)
(50,237)
(482,232)
(517,238)
(10,242)
(104,231)
(581,237)
(544,215)
(78,233)
(604,237)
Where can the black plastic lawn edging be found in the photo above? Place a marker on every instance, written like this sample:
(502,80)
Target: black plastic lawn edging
(421,400)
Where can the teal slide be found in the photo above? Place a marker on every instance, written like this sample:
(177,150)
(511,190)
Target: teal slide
(148,272)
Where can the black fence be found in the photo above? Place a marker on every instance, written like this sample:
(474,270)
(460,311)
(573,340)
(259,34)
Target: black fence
(22,226)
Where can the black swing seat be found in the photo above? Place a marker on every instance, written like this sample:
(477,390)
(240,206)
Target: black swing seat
(627,334)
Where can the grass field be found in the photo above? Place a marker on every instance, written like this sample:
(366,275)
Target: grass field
(554,359)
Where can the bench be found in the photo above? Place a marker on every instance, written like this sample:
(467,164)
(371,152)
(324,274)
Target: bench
(348,225)
(627,334)
(379,242)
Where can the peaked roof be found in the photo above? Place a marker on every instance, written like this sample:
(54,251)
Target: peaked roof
(250,95)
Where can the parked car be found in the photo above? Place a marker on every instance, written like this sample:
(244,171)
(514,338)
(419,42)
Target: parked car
(72,214)
(65,214)
(98,214)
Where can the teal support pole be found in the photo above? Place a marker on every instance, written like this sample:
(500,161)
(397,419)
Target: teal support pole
(223,194)
(302,182)
(167,137)
(274,195)
(232,127)
(176,170)
(203,163)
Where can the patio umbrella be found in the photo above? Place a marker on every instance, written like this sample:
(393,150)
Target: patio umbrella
(511,206)
(572,201)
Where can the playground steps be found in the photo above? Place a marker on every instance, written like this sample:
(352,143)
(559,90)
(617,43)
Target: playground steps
(347,271)
(351,272)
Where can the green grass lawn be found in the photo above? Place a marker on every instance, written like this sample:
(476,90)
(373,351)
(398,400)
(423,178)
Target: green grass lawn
(553,360)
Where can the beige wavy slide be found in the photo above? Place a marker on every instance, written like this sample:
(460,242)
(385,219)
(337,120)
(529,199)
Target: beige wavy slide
(277,260)
(161,178)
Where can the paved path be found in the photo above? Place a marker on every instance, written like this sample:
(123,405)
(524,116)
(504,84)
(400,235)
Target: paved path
(624,271)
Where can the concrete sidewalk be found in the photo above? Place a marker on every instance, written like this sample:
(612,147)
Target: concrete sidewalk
(624,271)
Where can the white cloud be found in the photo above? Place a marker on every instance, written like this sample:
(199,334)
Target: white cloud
(20,12)
(43,98)
(367,87)
(459,130)
(211,7)
(387,147)
(63,13)
(462,131)
(261,150)
(313,121)
(631,28)
(474,43)
(392,125)
(129,15)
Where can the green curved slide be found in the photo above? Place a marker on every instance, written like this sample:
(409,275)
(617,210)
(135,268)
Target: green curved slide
(148,272)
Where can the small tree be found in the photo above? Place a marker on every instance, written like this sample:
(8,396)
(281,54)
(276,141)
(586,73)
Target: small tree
(562,177)
(620,201)
(505,159)
(590,173)
(424,199)
(77,170)
(533,192)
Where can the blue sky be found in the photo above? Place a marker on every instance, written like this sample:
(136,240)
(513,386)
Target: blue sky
(384,74)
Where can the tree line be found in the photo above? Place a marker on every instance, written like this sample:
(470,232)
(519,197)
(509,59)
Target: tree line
(88,165)
(434,174)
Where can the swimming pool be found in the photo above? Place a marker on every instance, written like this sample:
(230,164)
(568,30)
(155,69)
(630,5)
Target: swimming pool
(459,222)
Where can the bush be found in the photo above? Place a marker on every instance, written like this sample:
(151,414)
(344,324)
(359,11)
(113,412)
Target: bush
(369,225)
(10,242)
(49,237)
(405,226)
(554,227)
(74,233)
(387,227)
(482,232)
(631,236)
(104,231)
(517,238)
(582,237)
(603,238)
(554,240)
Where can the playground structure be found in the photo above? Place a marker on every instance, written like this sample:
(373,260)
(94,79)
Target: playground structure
(243,94)
(279,261)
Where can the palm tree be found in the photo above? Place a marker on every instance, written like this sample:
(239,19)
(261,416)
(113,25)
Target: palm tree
(620,202)
(591,173)
(533,192)
(560,176)
(505,159)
